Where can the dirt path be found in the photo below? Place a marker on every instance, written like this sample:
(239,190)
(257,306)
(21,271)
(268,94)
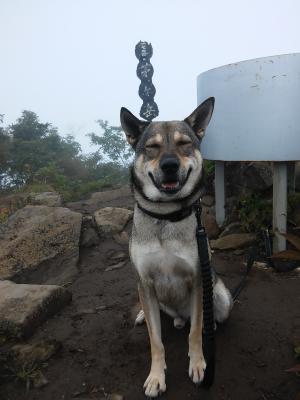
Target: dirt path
(103,353)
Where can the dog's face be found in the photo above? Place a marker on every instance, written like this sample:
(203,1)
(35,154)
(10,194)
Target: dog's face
(168,163)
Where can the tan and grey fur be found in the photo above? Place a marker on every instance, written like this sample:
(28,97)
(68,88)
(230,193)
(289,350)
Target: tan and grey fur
(167,177)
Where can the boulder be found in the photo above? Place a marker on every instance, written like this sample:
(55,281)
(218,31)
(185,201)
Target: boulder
(233,241)
(24,307)
(244,177)
(50,199)
(40,244)
(111,220)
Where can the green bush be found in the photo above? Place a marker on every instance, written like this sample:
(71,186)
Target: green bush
(254,212)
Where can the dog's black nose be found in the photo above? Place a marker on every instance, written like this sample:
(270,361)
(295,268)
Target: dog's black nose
(169,165)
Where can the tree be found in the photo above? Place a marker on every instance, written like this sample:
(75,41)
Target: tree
(112,143)
(4,152)
(36,145)
(28,127)
(34,157)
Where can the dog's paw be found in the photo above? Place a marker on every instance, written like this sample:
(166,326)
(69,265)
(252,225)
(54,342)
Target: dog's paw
(179,323)
(155,384)
(197,368)
(140,318)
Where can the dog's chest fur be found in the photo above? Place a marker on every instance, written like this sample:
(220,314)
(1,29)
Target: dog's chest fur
(165,255)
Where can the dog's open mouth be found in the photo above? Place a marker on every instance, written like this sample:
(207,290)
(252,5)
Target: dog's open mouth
(170,187)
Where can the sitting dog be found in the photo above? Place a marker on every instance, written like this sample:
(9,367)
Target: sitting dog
(167,178)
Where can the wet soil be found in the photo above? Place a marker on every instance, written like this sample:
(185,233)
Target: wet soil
(102,352)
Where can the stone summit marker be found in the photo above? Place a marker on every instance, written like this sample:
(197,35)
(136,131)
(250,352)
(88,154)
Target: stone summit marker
(144,71)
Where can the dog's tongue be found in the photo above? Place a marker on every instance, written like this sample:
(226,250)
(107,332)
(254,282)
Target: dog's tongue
(170,185)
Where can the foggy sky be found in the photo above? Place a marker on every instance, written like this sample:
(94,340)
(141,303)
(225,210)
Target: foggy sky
(72,61)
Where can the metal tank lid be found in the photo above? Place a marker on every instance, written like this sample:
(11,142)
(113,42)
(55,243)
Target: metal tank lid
(256,116)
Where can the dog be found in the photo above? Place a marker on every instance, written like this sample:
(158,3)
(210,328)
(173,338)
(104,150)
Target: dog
(167,178)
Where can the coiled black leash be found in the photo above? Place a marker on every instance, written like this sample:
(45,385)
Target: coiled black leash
(279,266)
(253,256)
(208,305)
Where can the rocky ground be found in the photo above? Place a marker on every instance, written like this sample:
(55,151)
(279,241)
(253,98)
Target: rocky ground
(88,348)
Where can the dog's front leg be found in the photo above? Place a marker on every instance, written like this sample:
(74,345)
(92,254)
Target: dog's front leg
(155,383)
(197,362)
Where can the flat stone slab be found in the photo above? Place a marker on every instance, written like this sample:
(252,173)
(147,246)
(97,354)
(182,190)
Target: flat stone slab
(24,307)
(111,220)
(233,241)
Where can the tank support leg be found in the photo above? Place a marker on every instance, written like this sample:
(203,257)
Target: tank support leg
(279,204)
(220,192)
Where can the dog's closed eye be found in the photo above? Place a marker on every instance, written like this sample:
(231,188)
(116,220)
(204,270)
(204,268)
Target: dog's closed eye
(153,146)
(183,142)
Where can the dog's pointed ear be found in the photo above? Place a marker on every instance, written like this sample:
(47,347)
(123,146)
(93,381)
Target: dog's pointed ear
(199,119)
(132,126)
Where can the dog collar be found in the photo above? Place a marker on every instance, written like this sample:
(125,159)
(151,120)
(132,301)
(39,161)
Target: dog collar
(175,216)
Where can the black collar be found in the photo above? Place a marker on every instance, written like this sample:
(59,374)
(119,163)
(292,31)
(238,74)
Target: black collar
(175,216)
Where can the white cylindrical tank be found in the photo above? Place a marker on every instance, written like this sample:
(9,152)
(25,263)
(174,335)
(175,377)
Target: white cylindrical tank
(257,110)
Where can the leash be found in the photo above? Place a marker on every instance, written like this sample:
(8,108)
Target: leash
(206,276)
(250,261)
(208,302)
